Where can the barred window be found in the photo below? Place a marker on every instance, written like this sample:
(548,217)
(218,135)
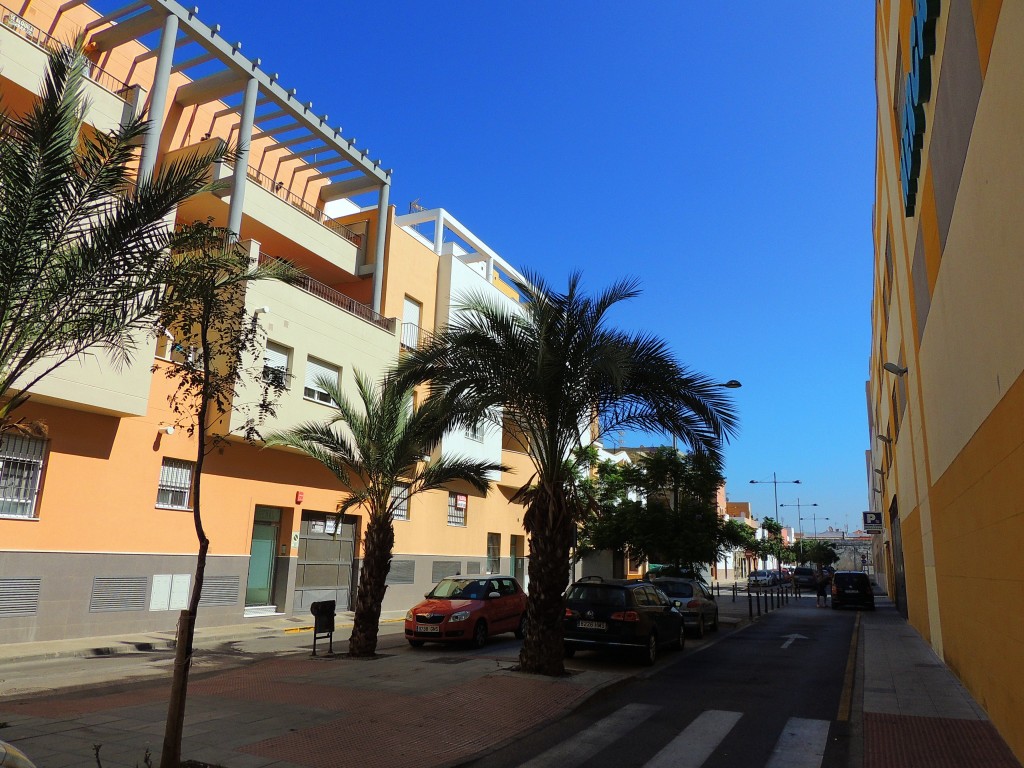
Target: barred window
(475,432)
(175,491)
(400,502)
(494,553)
(21,465)
(457,503)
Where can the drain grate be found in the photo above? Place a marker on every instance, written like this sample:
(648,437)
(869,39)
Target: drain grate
(447,660)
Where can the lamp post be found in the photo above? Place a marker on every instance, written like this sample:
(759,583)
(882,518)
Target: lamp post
(800,521)
(775,483)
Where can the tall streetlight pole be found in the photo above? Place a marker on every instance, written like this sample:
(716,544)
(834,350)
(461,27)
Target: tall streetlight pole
(800,521)
(775,483)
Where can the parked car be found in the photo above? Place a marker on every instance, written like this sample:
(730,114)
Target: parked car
(805,578)
(693,600)
(852,588)
(463,609)
(12,757)
(762,579)
(621,615)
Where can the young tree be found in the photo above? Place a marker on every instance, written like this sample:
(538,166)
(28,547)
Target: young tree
(83,249)
(378,450)
(220,346)
(555,369)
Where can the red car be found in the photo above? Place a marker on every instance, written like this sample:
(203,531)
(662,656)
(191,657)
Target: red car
(463,609)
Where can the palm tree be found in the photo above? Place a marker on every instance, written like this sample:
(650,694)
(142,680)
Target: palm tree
(82,248)
(379,450)
(556,375)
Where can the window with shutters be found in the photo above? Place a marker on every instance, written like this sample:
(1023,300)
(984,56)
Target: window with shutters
(21,466)
(175,490)
(316,372)
(276,364)
(400,502)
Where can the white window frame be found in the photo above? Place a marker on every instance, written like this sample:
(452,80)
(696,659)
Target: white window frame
(457,516)
(273,355)
(400,511)
(176,477)
(314,368)
(21,471)
(475,432)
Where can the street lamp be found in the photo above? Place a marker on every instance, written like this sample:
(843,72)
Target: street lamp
(775,483)
(800,520)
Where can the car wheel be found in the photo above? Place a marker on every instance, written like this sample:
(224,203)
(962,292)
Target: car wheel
(714,624)
(521,629)
(568,651)
(651,650)
(700,626)
(479,634)
(416,643)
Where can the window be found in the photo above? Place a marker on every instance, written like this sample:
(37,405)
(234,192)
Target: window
(457,503)
(21,465)
(475,432)
(315,371)
(175,490)
(169,349)
(400,502)
(275,365)
(493,552)
(412,311)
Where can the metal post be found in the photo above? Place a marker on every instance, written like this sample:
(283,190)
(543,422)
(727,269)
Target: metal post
(238,182)
(378,253)
(158,96)
(750,604)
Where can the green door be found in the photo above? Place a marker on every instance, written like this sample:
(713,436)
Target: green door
(259,587)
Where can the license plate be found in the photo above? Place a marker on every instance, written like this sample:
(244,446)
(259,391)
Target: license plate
(591,625)
(428,628)
(852,592)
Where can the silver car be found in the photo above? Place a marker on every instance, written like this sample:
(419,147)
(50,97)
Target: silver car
(693,600)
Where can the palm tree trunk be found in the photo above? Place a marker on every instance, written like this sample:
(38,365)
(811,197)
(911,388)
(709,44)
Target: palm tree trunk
(550,527)
(379,542)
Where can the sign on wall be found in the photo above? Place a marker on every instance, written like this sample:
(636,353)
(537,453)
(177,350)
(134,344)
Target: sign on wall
(872,522)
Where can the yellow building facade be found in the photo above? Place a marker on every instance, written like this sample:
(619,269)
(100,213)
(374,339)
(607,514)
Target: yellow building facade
(945,390)
(99,538)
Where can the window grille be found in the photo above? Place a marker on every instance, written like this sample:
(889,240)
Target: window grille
(400,502)
(475,432)
(275,365)
(457,503)
(316,370)
(175,491)
(493,552)
(21,465)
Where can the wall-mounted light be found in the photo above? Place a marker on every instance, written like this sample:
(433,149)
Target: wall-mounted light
(261,311)
(879,471)
(167,429)
(898,370)
(885,439)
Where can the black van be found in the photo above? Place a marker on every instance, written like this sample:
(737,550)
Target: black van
(852,588)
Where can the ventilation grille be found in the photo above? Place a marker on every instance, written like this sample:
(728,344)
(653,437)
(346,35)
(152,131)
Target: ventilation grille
(402,572)
(220,590)
(473,568)
(444,568)
(118,593)
(19,597)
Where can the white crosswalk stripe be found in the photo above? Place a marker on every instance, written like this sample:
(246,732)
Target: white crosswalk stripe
(696,743)
(587,743)
(801,745)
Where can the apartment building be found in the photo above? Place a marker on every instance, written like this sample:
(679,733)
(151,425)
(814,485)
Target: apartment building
(101,539)
(945,395)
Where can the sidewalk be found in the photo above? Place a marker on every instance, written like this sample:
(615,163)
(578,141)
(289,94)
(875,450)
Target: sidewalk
(441,706)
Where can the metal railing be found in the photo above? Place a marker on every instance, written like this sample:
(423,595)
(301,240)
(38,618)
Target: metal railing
(277,188)
(338,299)
(26,29)
(413,336)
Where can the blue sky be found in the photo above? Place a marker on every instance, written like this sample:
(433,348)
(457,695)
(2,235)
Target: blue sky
(721,153)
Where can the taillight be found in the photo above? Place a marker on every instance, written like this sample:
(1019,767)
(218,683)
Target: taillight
(568,613)
(693,604)
(625,616)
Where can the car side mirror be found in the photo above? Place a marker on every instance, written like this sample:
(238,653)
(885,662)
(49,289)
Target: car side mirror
(494,594)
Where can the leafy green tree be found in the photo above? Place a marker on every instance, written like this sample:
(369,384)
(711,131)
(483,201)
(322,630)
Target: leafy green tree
(221,345)
(83,248)
(376,448)
(554,370)
(819,553)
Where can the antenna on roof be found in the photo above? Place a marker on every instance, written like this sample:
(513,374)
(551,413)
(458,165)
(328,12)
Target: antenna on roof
(415,207)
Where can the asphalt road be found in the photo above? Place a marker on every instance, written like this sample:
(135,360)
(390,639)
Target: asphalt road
(771,694)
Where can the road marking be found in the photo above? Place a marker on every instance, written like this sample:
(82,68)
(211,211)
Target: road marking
(587,743)
(801,745)
(790,640)
(846,698)
(696,743)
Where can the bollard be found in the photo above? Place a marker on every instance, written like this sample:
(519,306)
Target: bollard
(759,602)
(734,591)
(750,604)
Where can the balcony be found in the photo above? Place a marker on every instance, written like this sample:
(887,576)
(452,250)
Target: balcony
(413,336)
(310,210)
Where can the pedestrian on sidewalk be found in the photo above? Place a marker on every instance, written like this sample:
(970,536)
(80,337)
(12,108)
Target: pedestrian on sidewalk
(822,590)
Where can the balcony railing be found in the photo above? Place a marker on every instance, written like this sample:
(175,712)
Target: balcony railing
(338,299)
(310,210)
(34,34)
(413,336)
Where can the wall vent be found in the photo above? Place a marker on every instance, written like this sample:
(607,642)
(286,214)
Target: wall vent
(118,593)
(402,572)
(220,590)
(19,597)
(443,568)
(473,568)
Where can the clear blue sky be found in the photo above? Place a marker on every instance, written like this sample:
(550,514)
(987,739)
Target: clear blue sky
(721,153)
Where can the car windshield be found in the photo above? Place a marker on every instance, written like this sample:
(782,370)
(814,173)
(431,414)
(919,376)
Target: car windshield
(595,594)
(676,589)
(460,589)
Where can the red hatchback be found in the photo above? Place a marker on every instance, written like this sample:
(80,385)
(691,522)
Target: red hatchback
(470,610)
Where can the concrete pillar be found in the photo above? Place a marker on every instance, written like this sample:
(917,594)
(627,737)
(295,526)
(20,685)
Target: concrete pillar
(238,181)
(158,96)
(378,252)
(439,233)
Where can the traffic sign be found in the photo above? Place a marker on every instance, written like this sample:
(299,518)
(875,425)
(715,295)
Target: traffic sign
(872,522)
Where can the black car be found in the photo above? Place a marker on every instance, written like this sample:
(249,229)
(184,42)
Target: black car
(805,578)
(693,600)
(620,615)
(852,588)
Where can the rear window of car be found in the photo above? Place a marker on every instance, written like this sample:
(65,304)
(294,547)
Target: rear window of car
(596,594)
(859,580)
(675,589)
(803,571)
